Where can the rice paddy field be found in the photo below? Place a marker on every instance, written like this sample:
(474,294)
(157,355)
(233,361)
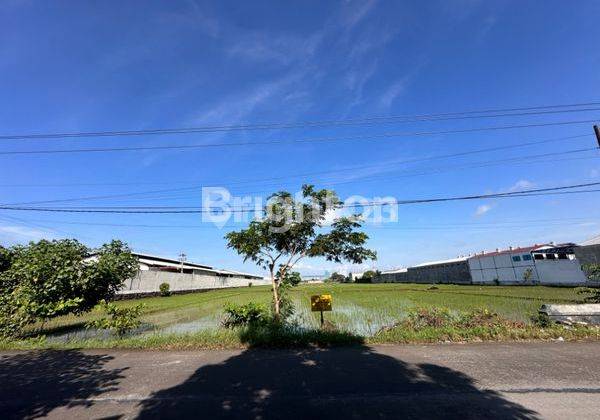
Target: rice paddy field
(362,310)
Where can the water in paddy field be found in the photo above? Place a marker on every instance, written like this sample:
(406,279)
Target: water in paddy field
(211,322)
(352,318)
(82,333)
(346,316)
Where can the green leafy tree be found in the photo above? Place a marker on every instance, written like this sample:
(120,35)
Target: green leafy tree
(367,277)
(292,230)
(251,313)
(592,271)
(50,278)
(292,278)
(6,256)
(337,277)
(118,319)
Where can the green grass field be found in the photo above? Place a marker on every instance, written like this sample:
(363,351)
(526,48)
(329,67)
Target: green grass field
(193,320)
(353,304)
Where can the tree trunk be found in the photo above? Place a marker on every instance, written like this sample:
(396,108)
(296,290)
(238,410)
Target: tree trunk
(276,306)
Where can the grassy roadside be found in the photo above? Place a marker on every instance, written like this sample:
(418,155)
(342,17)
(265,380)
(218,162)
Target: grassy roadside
(229,339)
(363,313)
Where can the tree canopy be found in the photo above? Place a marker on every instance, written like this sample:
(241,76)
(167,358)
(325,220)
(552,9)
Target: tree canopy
(293,229)
(51,278)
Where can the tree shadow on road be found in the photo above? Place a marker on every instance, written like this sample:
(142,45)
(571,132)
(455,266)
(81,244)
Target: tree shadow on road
(345,382)
(34,383)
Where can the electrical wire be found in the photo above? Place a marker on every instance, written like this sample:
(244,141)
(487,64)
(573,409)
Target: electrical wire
(436,170)
(184,209)
(494,113)
(292,141)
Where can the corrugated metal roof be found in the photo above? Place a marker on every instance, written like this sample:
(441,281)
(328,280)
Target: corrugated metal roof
(238,273)
(519,250)
(592,241)
(159,259)
(395,271)
(450,261)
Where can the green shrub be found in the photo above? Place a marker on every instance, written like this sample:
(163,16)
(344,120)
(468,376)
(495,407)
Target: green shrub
(274,335)
(17,312)
(286,305)
(338,278)
(120,320)
(13,317)
(485,318)
(541,320)
(165,289)
(422,318)
(592,271)
(6,256)
(367,277)
(251,313)
(590,294)
(46,279)
(292,278)
(428,317)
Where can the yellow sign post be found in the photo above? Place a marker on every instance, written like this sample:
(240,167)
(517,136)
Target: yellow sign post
(320,303)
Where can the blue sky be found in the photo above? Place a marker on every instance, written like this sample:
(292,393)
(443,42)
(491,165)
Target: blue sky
(90,66)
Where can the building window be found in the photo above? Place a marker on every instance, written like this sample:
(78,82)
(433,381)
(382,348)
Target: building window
(539,256)
(516,258)
(526,257)
(562,256)
(550,256)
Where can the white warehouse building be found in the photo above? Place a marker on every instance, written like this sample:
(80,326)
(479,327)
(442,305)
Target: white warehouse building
(538,264)
(514,265)
(182,276)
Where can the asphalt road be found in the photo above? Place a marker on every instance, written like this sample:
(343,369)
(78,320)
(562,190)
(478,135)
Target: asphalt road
(520,380)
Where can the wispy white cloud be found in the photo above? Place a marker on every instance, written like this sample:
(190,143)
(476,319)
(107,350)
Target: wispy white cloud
(352,15)
(201,18)
(283,49)
(193,16)
(482,209)
(21,233)
(357,78)
(239,105)
(486,27)
(393,92)
(520,185)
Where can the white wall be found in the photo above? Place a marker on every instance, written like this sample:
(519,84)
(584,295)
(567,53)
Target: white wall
(560,272)
(149,281)
(488,269)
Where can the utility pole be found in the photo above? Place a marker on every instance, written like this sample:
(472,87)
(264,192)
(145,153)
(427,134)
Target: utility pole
(182,259)
(597,131)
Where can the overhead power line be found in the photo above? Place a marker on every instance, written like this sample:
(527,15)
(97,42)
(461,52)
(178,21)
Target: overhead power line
(435,170)
(292,141)
(300,175)
(473,114)
(191,210)
(502,224)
